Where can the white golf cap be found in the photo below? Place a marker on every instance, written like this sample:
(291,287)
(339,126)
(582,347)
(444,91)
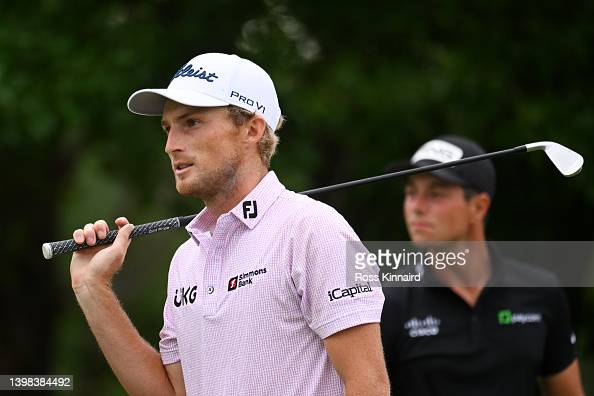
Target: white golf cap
(210,80)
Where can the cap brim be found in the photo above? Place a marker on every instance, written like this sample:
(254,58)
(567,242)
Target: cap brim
(444,174)
(151,101)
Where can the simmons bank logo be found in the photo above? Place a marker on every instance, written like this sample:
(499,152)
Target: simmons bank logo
(247,278)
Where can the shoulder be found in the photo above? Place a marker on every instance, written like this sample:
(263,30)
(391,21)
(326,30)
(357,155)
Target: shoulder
(304,211)
(394,312)
(396,301)
(184,254)
(517,273)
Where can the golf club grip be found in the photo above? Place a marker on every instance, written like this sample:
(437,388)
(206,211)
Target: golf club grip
(53,249)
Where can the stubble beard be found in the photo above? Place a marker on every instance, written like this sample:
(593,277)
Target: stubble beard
(218,182)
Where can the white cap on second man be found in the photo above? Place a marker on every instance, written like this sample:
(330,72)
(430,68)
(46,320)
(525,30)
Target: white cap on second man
(210,80)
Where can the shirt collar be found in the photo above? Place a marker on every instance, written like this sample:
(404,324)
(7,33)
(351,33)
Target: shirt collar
(249,210)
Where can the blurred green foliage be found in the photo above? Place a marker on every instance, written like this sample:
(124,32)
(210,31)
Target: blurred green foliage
(361,84)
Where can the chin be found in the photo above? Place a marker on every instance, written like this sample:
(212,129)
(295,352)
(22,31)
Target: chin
(185,188)
(422,243)
(420,236)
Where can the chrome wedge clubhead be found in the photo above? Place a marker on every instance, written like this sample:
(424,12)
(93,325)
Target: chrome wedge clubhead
(567,161)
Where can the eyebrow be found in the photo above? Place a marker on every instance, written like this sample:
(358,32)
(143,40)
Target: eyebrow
(433,184)
(184,115)
(441,184)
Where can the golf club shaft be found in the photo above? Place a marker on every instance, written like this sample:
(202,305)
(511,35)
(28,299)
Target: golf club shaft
(413,171)
(52,249)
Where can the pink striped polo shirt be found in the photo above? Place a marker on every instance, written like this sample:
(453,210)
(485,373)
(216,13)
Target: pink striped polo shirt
(248,307)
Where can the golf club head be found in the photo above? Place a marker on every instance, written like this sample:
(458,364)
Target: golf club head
(567,161)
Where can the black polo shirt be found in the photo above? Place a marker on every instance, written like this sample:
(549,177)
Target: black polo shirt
(436,344)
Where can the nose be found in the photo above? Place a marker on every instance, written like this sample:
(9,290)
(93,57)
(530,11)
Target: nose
(174,142)
(417,204)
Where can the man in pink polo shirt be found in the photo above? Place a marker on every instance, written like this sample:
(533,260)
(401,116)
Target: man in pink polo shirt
(257,298)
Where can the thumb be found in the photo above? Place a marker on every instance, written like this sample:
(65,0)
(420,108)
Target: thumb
(123,240)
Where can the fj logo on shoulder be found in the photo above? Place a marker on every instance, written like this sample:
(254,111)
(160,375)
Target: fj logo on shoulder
(250,209)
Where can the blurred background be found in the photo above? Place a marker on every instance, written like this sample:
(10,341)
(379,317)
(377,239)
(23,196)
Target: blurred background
(361,84)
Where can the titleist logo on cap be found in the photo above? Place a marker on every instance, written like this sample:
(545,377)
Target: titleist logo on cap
(188,71)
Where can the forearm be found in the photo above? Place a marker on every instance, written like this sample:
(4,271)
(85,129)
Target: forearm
(357,355)
(373,386)
(136,364)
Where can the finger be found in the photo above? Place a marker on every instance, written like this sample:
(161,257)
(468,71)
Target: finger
(121,221)
(123,240)
(90,234)
(79,236)
(101,229)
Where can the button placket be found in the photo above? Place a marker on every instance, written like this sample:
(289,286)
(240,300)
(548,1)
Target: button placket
(213,265)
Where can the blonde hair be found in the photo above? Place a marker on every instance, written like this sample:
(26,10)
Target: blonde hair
(268,142)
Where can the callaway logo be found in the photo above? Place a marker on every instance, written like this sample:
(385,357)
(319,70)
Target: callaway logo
(185,296)
(338,293)
(244,279)
(187,71)
(250,209)
(422,327)
(506,317)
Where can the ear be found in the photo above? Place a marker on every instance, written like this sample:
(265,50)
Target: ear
(255,128)
(480,204)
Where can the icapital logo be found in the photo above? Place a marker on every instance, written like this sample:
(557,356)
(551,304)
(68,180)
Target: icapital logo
(422,327)
(506,317)
(338,293)
(244,279)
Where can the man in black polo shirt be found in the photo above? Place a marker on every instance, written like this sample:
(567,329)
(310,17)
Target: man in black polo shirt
(470,336)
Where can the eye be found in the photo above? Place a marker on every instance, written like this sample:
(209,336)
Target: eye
(166,129)
(192,122)
(437,193)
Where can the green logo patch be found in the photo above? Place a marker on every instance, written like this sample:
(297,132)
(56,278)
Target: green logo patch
(504,316)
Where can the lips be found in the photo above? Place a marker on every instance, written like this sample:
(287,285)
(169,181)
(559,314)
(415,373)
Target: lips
(180,167)
(421,225)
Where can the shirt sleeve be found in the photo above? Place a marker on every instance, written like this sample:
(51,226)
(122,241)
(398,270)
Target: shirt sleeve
(560,349)
(319,273)
(168,335)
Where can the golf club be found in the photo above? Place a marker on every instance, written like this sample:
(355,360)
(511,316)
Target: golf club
(567,161)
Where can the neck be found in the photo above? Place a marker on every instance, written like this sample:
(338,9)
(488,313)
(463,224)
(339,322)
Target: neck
(468,280)
(246,179)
